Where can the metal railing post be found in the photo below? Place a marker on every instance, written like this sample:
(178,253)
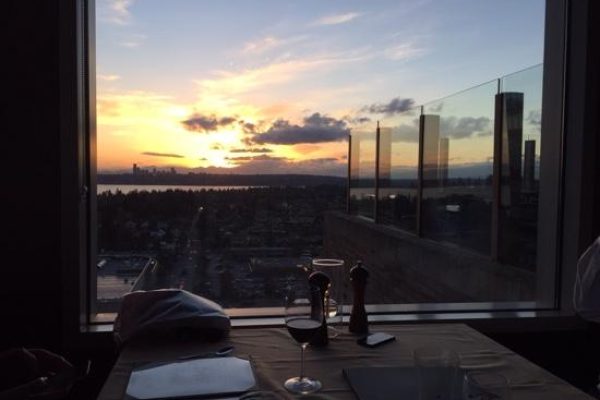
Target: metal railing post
(420,174)
(376,210)
(349,180)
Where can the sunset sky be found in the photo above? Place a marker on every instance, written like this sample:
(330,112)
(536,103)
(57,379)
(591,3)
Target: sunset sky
(276,86)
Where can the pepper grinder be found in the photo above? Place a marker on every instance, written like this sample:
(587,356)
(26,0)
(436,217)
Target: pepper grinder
(358,318)
(322,281)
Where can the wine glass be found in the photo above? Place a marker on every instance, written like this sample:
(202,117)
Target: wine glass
(334,295)
(303,318)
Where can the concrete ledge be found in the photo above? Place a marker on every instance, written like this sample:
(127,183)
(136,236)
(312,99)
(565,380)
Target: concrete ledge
(408,269)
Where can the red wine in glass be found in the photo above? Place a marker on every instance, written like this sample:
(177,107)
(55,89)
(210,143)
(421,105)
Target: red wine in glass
(303,318)
(303,329)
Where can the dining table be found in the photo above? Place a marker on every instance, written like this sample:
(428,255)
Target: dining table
(275,357)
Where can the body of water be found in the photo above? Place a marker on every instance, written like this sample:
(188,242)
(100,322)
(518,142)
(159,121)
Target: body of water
(161,188)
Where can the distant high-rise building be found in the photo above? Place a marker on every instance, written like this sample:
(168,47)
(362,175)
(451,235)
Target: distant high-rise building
(529,166)
(431,139)
(443,167)
(136,170)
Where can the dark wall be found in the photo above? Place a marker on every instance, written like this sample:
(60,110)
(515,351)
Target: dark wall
(594,100)
(30,281)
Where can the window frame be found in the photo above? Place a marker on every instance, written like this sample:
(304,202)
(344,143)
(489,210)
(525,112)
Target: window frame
(564,91)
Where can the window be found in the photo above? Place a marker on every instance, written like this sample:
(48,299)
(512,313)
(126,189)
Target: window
(170,123)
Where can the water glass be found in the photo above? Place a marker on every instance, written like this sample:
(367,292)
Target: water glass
(483,385)
(437,373)
(334,296)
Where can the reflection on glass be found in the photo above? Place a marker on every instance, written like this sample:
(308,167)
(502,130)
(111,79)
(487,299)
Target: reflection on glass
(431,143)
(398,162)
(462,171)
(457,168)
(520,161)
(362,173)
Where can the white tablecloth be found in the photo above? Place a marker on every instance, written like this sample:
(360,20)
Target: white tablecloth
(275,357)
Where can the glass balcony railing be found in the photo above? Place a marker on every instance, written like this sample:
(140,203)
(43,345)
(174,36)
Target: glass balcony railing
(362,160)
(458,148)
(398,170)
(520,168)
(462,171)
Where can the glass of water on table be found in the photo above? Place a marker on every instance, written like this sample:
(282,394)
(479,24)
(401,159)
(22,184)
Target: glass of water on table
(334,296)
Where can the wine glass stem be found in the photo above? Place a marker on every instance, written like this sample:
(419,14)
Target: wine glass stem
(302,348)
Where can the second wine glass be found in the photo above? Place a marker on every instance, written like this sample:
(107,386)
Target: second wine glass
(303,319)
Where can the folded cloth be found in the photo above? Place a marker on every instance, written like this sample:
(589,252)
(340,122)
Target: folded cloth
(586,294)
(169,311)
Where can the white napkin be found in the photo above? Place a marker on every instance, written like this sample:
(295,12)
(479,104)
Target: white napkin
(167,310)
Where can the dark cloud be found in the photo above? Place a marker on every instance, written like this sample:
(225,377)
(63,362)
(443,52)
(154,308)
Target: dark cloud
(453,127)
(281,165)
(155,154)
(458,128)
(206,123)
(357,120)
(227,120)
(407,132)
(395,106)
(251,150)
(247,127)
(317,166)
(326,166)
(216,147)
(324,160)
(240,158)
(535,117)
(316,128)
(435,108)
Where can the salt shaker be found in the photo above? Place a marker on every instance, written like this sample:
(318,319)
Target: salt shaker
(358,318)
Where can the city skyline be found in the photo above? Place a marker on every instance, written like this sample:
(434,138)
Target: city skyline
(277,86)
